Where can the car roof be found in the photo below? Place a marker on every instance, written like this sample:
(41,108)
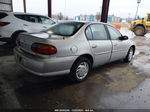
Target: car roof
(69,21)
(86,22)
(23,13)
(60,21)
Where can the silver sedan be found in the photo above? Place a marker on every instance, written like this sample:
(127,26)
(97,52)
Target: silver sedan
(72,48)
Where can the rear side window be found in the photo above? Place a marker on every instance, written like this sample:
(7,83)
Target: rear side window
(19,16)
(96,32)
(2,15)
(33,19)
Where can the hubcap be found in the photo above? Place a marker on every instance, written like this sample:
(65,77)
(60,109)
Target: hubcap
(82,70)
(130,54)
(138,31)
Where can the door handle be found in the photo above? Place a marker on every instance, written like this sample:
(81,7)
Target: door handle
(44,27)
(25,24)
(115,44)
(94,46)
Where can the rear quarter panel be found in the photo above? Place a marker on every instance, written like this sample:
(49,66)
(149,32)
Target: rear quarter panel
(73,46)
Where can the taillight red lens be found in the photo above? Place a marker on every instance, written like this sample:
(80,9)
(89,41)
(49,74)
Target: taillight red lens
(4,23)
(43,48)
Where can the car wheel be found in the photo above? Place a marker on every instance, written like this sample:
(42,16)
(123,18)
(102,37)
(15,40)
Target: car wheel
(80,69)
(139,31)
(129,55)
(14,38)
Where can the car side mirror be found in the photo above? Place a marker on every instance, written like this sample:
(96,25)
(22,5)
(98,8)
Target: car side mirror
(123,38)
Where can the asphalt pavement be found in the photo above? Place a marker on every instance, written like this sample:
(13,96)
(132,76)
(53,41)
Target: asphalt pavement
(115,85)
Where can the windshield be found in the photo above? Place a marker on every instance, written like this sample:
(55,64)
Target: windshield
(65,29)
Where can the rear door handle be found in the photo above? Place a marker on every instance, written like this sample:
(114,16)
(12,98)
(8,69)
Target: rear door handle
(44,27)
(115,44)
(25,24)
(94,46)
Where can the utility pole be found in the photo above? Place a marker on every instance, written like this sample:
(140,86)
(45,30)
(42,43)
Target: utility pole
(24,4)
(65,9)
(11,6)
(138,2)
(105,9)
(50,8)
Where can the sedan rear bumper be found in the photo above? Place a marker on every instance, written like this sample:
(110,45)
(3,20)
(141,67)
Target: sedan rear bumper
(44,67)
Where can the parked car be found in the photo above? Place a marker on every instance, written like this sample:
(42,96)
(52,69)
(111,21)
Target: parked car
(12,24)
(72,48)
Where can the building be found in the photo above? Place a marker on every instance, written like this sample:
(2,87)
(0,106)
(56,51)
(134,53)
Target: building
(112,18)
(85,18)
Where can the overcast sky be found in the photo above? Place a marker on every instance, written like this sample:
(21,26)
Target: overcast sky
(71,8)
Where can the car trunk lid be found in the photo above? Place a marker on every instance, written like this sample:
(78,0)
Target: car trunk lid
(26,40)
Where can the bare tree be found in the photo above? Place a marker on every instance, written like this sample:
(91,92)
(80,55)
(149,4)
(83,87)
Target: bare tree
(60,16)
(66,18)
(98,16)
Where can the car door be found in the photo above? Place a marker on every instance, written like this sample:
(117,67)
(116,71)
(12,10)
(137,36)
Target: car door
(46,22)
(120,47)
(99,42)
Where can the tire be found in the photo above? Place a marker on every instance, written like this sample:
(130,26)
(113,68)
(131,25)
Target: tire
(139,31)
(15,36)
(80,69)
(129,56)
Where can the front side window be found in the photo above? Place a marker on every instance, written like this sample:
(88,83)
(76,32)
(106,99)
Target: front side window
(65,29)
(99,32)
(46,20)
(114,33)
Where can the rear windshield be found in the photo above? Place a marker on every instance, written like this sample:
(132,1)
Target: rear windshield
(65,29)
(2,15)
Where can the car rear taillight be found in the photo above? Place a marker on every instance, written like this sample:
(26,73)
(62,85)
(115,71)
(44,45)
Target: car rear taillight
(4,23)
(43,49)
